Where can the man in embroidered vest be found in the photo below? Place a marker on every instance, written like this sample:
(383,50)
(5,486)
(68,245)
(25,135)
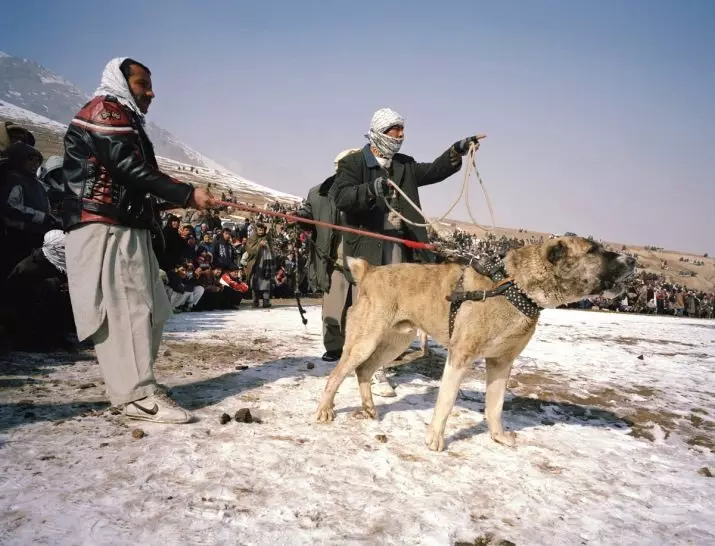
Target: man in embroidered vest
(118,298)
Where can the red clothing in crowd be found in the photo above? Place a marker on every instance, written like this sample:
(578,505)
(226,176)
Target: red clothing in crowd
(238,286)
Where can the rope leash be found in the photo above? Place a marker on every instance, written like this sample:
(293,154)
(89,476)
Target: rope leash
(471,166)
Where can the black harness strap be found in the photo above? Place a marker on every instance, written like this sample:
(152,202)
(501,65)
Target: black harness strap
(456,302)
(505,287)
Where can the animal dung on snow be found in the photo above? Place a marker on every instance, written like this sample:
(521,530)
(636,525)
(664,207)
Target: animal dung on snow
(243,416)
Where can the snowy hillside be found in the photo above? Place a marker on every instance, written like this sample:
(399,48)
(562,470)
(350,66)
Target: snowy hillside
(15,113)
(31,86)
(614,415)
(249,191)
(50,133)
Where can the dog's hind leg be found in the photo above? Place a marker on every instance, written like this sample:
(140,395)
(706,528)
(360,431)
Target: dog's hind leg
(498,370)
(454,370)
(385,352)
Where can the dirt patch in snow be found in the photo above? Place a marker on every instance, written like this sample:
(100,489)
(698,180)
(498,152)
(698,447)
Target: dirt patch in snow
(637,406)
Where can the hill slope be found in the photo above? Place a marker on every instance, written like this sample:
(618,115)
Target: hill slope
(49,135)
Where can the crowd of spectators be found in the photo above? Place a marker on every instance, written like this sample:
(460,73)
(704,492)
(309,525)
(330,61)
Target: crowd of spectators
(213,260)
(208,260)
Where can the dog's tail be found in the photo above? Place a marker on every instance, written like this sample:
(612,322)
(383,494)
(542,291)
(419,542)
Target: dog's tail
(358,268)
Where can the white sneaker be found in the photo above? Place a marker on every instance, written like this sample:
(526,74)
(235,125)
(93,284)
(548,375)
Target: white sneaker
(381,386)
(158,408)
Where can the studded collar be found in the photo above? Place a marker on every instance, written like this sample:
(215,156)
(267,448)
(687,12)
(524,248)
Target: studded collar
(506,286)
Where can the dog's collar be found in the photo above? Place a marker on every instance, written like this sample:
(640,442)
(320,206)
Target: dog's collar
(514,295)
(505,286)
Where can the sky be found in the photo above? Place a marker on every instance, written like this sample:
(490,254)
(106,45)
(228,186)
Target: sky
(599,115)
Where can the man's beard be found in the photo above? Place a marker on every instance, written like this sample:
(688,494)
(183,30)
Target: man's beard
(142,103)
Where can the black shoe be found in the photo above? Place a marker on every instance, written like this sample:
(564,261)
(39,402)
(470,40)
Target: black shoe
(332,356)
(255,304)
(267,304)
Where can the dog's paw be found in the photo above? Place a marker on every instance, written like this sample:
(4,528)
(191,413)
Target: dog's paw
(434,440)
(324,415)
(507,438)
(365,413)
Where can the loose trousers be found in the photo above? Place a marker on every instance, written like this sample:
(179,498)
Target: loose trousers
(119,301)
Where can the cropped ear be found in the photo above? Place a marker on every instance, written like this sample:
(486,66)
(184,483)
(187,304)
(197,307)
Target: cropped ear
(556,252)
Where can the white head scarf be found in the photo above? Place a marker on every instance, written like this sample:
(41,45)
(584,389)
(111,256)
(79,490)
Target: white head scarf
(381,121)
(342,155)
(53,247)
(114,83)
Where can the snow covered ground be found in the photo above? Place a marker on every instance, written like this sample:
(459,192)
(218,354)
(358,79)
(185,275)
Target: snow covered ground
(614,415)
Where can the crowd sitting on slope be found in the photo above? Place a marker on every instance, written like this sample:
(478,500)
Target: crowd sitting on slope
(209,267)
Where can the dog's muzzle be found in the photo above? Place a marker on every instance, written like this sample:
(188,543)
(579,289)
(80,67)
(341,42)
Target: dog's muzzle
(620,271)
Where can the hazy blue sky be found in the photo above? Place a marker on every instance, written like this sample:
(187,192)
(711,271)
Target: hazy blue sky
(600,115)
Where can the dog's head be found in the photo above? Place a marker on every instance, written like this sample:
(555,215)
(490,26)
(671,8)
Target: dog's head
(568,269)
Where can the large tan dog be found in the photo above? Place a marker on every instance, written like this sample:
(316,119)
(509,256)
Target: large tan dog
(396,300)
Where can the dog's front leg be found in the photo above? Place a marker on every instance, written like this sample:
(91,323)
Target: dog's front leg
(454,370)
(498,370)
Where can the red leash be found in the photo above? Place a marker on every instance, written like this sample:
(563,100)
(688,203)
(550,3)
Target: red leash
(406,242)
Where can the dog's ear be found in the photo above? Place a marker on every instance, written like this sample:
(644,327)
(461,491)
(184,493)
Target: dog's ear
(556,252)
(358,268)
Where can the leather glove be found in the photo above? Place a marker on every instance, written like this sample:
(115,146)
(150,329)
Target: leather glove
(379,187)
(462,146)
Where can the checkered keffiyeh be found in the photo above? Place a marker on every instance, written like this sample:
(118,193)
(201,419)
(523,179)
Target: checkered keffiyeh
(382,120)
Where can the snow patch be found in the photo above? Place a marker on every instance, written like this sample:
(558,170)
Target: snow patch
(227,179)
(10,111)
(50,78)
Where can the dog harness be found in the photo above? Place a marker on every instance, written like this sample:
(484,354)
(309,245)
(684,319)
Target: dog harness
(506,286)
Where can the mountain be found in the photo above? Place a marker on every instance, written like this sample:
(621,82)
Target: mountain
(49,135)
(31,86)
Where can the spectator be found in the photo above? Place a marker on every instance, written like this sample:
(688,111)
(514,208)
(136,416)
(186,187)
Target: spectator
(24,206)
(236,287)
(53,180)
(174,245)
(36,307)
(184,292)
(224,254)
(261,266)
